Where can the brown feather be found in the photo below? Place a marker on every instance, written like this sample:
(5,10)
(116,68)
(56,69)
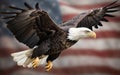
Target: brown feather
(37,6)
(16,8)
(28,6)
(9,17)
(9,12)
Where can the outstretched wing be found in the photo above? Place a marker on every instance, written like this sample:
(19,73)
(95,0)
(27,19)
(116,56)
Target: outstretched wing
(30,26)
(92,18)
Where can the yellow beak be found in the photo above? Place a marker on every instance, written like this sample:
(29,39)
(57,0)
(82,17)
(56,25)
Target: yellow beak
(92,34)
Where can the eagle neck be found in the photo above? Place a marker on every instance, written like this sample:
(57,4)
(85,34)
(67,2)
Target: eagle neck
(69,43)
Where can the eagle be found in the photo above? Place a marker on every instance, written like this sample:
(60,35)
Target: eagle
(46,39)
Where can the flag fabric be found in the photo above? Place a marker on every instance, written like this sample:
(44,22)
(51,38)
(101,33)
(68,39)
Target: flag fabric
(100,56)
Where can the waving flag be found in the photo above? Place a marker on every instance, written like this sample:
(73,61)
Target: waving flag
(100,56)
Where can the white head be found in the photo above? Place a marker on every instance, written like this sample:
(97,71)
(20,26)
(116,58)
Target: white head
(79,33)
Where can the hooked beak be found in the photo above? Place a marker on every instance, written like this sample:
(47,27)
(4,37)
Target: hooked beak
(92,34)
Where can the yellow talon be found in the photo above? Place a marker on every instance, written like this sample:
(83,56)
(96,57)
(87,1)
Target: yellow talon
(49,66)
(35,62)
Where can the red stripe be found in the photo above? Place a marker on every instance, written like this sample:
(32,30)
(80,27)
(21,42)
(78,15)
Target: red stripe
(68,71)
(107,34)
(115,19)
(10,70)
(5,52)
(87,7)
(70,16)
(92,52)
(19,68)
(105,53)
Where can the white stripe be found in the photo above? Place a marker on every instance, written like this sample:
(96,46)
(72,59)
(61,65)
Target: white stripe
(84,2)
(63,2)
(98,44)
(65,10)
(74,61)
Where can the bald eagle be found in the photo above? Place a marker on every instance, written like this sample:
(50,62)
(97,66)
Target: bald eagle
(46,39)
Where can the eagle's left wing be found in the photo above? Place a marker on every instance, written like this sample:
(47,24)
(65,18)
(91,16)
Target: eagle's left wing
(92,18)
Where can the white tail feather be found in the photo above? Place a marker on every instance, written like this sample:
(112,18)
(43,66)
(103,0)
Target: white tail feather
(43,60)
(21,52)
(23,58)
(20,57)
(27,62)
(17,58)
(21,62)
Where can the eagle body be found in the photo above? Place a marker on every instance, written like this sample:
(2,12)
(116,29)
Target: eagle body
(53,45)
(45,38)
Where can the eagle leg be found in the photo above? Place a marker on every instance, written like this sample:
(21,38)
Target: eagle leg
(35,62)
(49,66)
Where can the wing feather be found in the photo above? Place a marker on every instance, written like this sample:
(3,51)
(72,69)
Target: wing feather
(93,17)
(28,6)
(29,26)
(37,6)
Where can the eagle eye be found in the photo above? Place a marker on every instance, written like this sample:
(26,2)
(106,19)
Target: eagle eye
(87,31)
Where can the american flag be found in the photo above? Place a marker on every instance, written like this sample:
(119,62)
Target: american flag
(100,56)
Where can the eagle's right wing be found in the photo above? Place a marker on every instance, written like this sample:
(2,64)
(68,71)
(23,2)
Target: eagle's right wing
(30,26)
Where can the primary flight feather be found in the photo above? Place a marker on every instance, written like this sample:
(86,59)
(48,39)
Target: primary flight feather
(45,38)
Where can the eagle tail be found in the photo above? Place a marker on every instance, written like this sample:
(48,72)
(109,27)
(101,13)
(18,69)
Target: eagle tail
(23,58)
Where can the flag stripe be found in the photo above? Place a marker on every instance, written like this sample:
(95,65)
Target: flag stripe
(108,34)
(5,52)
(87,69)
(98,44)
(84,3)
(90,70)
(87,7)
(75,70)
(65,10)
(83,60)
(92,52)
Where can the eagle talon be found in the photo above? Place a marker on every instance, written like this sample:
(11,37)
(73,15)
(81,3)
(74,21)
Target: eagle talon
(35,62)
(49,66)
